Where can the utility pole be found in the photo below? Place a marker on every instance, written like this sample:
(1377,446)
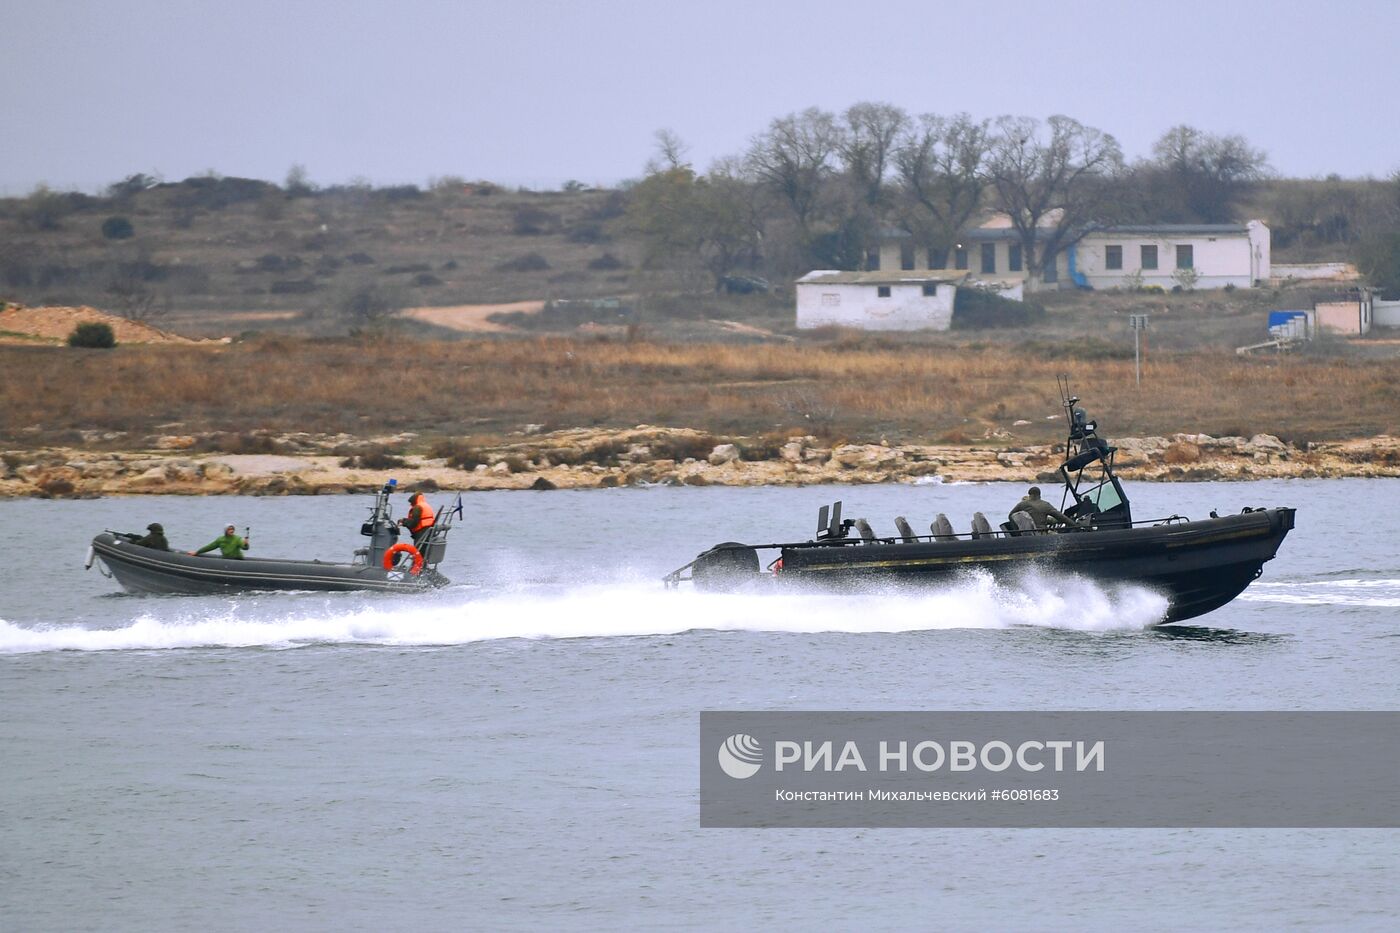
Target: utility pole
(1138,322)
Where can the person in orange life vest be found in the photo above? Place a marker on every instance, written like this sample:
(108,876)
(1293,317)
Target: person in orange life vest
(420,518)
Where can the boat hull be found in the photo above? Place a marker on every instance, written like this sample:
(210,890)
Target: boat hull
(144,570)
(1198,566)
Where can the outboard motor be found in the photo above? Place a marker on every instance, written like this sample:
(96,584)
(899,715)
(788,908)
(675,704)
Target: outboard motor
(725,567)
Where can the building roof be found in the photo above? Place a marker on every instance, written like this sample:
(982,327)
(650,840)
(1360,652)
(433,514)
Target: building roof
(1174,229)
(984,234)
(918,277)
(998,228)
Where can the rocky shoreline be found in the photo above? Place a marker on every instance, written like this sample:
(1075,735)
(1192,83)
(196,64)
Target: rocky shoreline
(591,459)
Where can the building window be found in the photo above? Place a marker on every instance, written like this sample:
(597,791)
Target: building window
(960,258)
(1184,256)
(989,257)
(831,300)
(1149,257)
(1051,271)
(938,259)
(1013,257)
(1113,257)
(930,289)
(906,256)
(872,259)
(882,291)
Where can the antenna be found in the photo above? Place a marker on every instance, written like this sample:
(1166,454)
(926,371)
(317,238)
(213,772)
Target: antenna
(1066,399)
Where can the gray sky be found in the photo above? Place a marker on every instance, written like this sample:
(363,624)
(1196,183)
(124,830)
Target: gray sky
(535,92)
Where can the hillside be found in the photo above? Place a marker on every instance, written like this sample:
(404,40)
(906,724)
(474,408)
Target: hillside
(225,252)
(217,256)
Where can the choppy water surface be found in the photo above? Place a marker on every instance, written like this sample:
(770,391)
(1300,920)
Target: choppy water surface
(520,750)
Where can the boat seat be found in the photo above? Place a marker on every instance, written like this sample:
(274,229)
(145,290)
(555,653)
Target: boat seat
(1024,523)
(942,529)
(906,532)
(981,528)
(866,532)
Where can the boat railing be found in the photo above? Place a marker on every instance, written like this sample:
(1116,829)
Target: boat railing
(675,577)
(856,541)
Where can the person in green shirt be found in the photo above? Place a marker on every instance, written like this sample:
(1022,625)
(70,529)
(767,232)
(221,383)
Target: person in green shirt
(230,545)
(1041,512)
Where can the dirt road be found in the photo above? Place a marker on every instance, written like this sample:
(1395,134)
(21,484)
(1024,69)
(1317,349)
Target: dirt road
(471,318)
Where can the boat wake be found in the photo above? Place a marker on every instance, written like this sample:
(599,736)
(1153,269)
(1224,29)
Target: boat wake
(1383,593)
(598,611)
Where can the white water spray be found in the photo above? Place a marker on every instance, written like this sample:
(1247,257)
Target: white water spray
(604,611)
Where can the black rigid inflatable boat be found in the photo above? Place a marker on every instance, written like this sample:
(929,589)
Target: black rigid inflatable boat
(383,564)
(1198,565)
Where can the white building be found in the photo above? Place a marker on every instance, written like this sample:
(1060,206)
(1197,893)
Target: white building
(1201,255)
(876,300)
(1190,255)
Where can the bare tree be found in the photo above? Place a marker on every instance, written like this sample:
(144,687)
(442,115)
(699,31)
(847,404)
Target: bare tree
(129,290)
(1200,176)
(1052,182)
(794,160)
(731,220)
(867,147)
(671,152)
(940,162)
(130,297)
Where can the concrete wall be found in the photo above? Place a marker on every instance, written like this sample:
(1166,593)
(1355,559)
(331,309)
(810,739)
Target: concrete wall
(1351,318)
(1303,271)
(1261,247)
(907,308)
(1386,313)
(1230,259)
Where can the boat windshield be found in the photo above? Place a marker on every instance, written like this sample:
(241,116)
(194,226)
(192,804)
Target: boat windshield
(1104,497)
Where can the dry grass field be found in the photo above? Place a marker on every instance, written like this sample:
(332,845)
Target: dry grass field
(854,388)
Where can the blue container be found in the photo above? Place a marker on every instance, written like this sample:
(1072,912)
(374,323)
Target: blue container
(1283,317)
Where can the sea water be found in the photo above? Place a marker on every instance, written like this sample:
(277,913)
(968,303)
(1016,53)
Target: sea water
(520,749)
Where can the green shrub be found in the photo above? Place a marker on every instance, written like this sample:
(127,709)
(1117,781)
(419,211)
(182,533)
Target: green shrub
(764,447)
(93,335)
(606,262)
(976,307)
(117,228)
(530,262)
(534,221)
(458,453)
(682,447)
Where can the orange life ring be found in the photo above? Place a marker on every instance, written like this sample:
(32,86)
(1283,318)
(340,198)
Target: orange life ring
(403,547)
